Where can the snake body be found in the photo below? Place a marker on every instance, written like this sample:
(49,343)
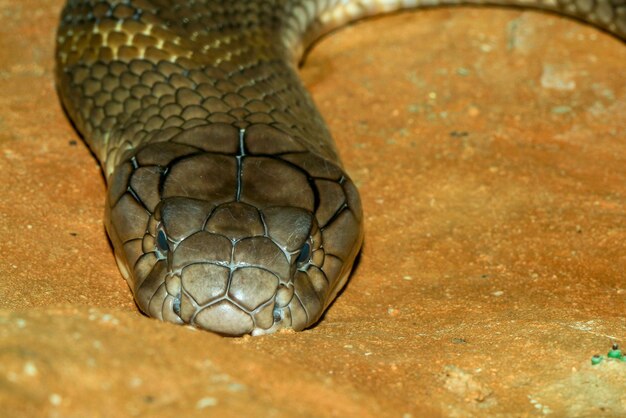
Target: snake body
(227,204)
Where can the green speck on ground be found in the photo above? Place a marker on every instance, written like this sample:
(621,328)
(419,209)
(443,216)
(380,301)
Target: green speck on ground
(560,110)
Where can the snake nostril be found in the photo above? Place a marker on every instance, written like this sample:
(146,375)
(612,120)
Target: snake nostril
(176,306)
(161,243)
(305,253)
(277,314)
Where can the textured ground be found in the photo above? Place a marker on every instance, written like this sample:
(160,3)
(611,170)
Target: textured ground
(490,150)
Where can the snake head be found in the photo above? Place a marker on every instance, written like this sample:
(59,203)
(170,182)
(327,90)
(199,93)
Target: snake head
(233,231)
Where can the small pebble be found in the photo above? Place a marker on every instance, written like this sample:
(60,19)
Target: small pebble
(135,382)
(55,399)
(393,312)
(206,402)
(30,369)
(236,387)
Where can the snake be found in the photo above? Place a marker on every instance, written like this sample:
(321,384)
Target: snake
(227,205)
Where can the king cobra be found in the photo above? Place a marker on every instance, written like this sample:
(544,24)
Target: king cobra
(227,204)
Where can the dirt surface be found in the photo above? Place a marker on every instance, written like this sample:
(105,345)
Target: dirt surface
(490,150)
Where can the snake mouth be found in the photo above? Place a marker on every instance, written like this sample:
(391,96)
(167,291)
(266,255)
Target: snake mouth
(224,315)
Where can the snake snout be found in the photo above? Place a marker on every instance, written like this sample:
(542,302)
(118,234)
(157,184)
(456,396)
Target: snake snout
(231,301)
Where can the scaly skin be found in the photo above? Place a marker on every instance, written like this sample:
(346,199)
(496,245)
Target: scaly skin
(227,204)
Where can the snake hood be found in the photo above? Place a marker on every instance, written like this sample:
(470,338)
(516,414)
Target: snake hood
(233,230)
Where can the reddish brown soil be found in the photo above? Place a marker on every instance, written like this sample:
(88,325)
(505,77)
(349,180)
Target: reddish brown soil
(490,150)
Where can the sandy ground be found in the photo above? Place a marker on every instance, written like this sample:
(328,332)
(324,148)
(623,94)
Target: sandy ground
(490,150)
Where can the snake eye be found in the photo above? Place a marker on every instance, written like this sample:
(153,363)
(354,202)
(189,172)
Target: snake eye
(161,242)
(305,253)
